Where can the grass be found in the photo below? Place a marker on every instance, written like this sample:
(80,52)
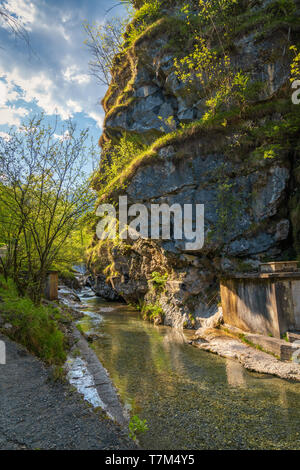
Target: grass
(159,280)
(233,118)
(151,153)
(151,312)
(34,326)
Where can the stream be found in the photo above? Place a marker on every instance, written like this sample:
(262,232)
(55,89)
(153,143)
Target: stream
(191,399)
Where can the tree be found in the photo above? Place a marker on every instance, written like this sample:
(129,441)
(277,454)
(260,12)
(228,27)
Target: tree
(134,3)
(13,24)
(44,199)
(104,42)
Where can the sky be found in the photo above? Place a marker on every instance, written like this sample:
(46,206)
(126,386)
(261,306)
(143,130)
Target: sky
(51,74)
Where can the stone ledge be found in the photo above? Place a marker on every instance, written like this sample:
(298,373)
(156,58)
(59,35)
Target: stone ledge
(293,336)
(218,342)
(258,275)
(280,348)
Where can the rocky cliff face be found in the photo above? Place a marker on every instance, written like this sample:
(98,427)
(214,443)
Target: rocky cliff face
(251,196)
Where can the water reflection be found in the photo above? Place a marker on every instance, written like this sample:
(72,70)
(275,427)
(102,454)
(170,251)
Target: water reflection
(235,373)
(190,398)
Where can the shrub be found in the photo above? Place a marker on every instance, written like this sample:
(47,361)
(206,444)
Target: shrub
(35,327)
(115,158)
(159,280)
(151,312)
(147,14)
(136,426)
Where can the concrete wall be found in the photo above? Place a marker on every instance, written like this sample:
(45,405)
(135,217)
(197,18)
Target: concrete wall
(296,302)
(262,304)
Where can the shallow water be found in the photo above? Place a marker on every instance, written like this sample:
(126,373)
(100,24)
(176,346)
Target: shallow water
(191,399)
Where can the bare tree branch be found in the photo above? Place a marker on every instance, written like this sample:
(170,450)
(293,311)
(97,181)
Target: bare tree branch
(14,24)
(104,42)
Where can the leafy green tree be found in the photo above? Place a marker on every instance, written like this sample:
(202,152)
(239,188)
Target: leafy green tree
(44,199)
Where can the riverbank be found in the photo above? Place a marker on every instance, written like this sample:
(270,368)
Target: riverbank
(190,399)
(38,413)
(219,342)
(87,374)
(39,408)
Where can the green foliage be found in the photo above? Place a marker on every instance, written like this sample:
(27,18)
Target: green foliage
(295,65)
(80,328)
(210,65)
(276,137)
(149,12)
(192,320)
(45,201)
(152,311)
(267,151)
(137,426)
(281,7)
(220,10)
(116,157)
(143,17)
(159,280)
(33,326)
(285,337)
(58,374)
(170,124)
(228,204)
(231,92)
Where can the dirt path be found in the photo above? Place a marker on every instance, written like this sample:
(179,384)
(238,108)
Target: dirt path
(37,413)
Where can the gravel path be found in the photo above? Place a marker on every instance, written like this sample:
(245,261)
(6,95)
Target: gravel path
(37,413)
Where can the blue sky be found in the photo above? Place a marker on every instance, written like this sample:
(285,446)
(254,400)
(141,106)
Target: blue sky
(52,74)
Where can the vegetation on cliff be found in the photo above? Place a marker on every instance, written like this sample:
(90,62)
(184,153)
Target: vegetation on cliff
(200,104)
(205,31)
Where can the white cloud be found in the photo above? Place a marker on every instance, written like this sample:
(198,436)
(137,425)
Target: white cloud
(55,77)
(71,74)
(46,93)
(99,118)
(40,89)
(5,136)
(74,106)
(11,115)
(7,93)
(64,136)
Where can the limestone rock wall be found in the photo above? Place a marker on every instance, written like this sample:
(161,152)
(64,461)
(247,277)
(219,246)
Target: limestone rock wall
(251,203)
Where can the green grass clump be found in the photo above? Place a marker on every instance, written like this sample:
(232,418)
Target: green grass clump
(159,280)
(147,14)
(151,312)
(137,426)
(33,326)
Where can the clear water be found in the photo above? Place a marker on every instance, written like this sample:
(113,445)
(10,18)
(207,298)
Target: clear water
(191,399)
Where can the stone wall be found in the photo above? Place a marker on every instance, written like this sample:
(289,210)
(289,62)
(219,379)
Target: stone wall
(250,215)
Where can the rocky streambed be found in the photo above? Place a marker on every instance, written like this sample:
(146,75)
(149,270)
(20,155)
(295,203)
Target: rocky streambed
(190,399)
